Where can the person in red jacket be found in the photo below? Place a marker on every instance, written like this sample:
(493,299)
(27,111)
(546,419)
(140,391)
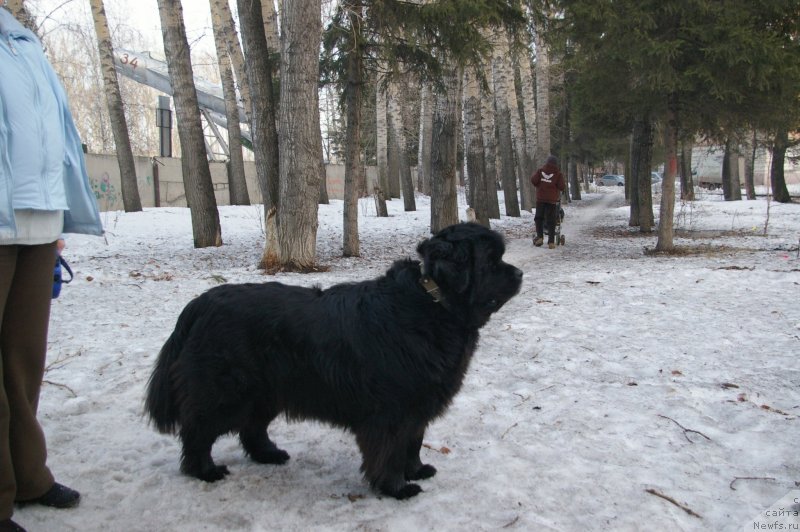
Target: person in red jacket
(549,183)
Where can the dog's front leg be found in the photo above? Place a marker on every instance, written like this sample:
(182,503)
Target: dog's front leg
(384,456)
(415,469)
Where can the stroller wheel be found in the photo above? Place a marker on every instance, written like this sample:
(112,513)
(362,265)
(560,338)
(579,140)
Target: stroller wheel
(562,240)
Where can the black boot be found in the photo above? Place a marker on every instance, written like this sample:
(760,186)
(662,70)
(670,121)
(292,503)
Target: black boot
(7,525)
(59,496)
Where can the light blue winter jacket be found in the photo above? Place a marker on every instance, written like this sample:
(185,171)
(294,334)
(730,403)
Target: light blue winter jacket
(41,159)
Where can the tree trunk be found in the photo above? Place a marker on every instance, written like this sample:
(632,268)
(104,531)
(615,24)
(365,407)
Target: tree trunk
(262,121)
(644,182)
(228,30)
(503,78)
(381,188)
(780,192)
(425,132)
(352,150)
(631,181)
(194,162)
(473,148)
(529,112)
(271,25)
(392,159)
(750,165)
(667,209)
(237,184)
(444,202)
(300,142)
(524,185)
(542,70)
(490,151)
(687,180)
(116,113)
(575,185)
(731,187)
(406,183)
(21,13)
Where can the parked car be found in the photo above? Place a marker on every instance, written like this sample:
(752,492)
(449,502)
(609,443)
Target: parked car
(612,180)
(655,178)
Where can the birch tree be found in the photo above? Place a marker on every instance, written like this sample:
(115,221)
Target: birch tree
(194,162)
(425,132)
(406,184)
(119,124)
(237,185)
(300,142)
(503,84)
(262,122)
(444,201)
(474,149)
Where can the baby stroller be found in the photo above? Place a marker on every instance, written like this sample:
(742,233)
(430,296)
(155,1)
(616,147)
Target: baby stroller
(558,238)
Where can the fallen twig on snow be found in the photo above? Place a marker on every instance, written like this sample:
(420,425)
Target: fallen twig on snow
(59,385)
(685,430)
(747,478)
(673,501)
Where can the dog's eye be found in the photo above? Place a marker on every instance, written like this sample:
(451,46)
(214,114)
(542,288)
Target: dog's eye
(492,303)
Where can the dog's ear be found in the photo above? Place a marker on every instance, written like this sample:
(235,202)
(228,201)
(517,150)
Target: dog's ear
(446,263)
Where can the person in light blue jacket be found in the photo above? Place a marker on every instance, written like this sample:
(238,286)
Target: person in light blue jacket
(44,192)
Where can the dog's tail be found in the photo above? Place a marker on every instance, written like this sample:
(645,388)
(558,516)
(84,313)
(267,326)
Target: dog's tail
(160,401)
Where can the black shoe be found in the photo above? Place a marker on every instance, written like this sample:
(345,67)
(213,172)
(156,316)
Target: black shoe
(59,496)
(8,525)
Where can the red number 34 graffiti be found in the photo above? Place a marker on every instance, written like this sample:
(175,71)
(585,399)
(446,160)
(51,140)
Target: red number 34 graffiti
(127,60)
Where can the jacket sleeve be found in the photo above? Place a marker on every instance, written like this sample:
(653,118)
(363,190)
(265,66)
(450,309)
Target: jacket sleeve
(536,178)
(561,184)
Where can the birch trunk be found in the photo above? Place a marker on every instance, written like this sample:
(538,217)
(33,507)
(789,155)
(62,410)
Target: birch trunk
(503,79)
(406,184)
(444,201)
(353,166)
(381,188)
(221,9)
(542,100)
(258,69)
(490,150)
(425,139)
(194,162)
(474,149)
(300,142)
(116,112)
(237,184)
(667,209)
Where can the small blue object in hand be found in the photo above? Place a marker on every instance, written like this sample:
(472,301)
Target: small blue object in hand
(58,278)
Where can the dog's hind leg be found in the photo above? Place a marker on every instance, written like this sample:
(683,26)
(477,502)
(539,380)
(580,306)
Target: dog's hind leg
(196,459)
(384,460)
(257,444)
(415,469)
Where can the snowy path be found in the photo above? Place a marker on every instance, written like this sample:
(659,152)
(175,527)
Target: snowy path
(568,415)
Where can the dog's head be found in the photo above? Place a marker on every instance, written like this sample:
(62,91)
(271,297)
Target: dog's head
(466,262)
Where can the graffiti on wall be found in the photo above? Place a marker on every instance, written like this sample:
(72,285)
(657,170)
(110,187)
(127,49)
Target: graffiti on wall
(104,191)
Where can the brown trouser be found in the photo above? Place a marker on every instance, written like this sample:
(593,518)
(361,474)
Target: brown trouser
(26,284)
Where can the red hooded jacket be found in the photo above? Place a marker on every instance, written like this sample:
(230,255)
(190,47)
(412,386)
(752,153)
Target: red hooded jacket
(549,182)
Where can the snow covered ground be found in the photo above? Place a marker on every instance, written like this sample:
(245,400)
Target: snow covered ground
(617,391)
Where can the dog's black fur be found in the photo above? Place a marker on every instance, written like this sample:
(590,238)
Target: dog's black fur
(381,358)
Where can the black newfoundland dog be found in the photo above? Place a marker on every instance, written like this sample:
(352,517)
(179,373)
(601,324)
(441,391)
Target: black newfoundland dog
(380,358)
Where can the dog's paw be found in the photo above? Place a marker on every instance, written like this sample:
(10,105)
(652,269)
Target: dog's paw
(213,474)
(425,471)
(407,491)
(274,456)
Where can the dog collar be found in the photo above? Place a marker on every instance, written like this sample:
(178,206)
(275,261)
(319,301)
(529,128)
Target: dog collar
(431,287)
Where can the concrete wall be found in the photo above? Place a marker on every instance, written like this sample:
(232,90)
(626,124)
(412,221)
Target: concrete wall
(164,175)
